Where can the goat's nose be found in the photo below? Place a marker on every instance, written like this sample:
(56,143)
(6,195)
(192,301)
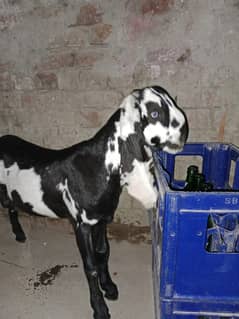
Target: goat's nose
(155,141)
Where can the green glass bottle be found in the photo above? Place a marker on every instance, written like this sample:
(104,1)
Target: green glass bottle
(199,182)
(207,187)
(192,171)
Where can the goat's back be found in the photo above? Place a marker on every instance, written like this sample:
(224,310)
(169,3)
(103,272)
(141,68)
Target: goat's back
(26,154)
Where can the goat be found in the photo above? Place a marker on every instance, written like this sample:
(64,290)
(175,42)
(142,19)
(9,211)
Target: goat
(84,182)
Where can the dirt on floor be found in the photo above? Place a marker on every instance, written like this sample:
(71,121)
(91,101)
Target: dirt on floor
(132,233)
(117,230)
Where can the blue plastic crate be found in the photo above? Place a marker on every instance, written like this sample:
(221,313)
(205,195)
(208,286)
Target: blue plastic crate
(191,282)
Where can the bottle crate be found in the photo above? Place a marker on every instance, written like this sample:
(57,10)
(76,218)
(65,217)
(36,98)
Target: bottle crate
(190,281)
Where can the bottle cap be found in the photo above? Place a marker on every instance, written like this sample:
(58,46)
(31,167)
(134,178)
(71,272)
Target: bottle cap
(192,169)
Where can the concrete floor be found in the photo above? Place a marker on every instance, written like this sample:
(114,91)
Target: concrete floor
(27,291)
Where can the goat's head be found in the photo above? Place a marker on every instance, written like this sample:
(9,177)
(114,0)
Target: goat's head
(162,123)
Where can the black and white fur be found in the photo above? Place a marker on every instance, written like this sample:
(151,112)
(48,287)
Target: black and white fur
(84,182)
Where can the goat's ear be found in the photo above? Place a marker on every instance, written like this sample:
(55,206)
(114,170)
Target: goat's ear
(136,93)
(130,114)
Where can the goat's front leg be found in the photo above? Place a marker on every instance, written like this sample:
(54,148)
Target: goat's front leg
(102,250)
(85,244)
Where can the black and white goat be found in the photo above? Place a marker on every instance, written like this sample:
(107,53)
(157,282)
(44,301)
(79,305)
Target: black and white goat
(84,182)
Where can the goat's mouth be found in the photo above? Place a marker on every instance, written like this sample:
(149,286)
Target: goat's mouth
(172,148)
(168,147)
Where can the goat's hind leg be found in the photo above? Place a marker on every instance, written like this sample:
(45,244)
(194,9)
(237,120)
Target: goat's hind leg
(102,249)
(16,226)
(13,215)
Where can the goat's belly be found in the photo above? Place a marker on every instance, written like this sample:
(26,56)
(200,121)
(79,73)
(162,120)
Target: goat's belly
(24,189)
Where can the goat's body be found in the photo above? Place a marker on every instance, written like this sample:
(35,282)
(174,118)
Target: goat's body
(34,179)
(84,182)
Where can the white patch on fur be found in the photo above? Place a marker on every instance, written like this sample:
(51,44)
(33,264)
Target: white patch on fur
(85,220)
(68,200)
(129,117)
(140,184)
(27,183)
(71,204)
(171,150)
(155,130)
(113,157)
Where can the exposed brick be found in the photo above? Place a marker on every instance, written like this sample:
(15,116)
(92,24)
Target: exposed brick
(100,33)
(155,7)
(68,79)
(46,81)
(162,55)
(6,66)
(125,81)
(89,15)
(8,118)
(185,100)
(141,75)
(71,38)
(46,12)
(91,80)
(92,118)
(76,114)
(13,2)
(67,136)
(232,122)
(199,118)
(219,116)
(22,82)
(11,99)
(221,127)
(70,59)
(7,21)
(229,138)
(225,94)
(6,82)
(112,98)
(107,100)
(28,99)
(205,135)
(138,25)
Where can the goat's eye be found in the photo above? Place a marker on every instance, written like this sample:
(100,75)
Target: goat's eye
(154,114)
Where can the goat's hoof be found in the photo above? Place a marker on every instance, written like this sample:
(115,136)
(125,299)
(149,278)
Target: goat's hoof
(21,238)
(102,315)
(111,292)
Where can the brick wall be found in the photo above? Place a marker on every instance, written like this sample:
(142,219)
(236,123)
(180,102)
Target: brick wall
(66,64)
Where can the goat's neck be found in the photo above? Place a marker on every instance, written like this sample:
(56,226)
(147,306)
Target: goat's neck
(132,150)
(120,151)
(137,175)
(136,170)
(128,156)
